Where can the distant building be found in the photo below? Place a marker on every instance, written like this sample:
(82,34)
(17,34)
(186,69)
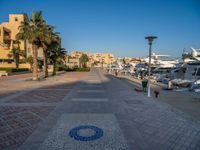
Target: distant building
(8,31)
(72,62)
(76,54)
(119,59)
(96,59)
(127,60)
(99,59)
(106,58)
(135,60)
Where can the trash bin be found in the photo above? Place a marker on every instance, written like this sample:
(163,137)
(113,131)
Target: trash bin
(144,85)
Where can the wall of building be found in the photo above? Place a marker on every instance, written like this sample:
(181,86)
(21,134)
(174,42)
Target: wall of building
(12,65)
(12,26)
(106,58)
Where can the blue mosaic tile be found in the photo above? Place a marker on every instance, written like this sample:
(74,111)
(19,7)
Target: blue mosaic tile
(74,133)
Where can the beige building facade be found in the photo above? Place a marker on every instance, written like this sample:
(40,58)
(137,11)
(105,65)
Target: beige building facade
(73,59)
(8,32)
(96,59)
(128,60)
(72,62)
(106,58)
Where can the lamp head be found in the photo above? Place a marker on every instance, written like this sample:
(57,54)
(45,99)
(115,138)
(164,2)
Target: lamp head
(150,39)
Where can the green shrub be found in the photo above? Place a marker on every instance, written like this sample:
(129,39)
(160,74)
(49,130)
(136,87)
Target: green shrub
(59,69)
(70,69)
(83,69)
(63,68)
(10,70)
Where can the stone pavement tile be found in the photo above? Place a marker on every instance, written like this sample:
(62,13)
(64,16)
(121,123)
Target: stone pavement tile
(34,104)
(90,99)
(78,75)
(59,85)
(167,133)
(90,91)
(40,96)
(17,124)
(132,136)
(14,138)
(157,124)
(91,95)
(27,109)
(91,86)
(6,93)
(145,124)
(87,107)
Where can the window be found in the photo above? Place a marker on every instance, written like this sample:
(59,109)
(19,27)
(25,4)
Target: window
(16,19)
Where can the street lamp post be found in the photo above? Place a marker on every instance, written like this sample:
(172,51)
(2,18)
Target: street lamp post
(150,41)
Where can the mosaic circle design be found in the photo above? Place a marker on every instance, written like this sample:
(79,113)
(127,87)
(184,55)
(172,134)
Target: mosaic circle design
(75,133)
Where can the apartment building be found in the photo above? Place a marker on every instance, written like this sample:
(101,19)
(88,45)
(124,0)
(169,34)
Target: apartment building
(101,58)
(72,62)
(76,54)
(8,31)
(96,59)
(128,60)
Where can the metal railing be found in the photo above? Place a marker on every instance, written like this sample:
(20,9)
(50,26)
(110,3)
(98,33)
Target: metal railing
(5,46)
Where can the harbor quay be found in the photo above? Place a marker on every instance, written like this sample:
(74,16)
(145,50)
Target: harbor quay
(90,110)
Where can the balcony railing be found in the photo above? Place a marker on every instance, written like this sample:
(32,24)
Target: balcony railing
(7,37)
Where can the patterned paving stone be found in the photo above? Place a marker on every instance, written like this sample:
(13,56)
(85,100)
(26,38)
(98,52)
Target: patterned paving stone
(17,123)
(25,104)
(90,99)
(59,86)
(47,96)
(7,93)
(134,120)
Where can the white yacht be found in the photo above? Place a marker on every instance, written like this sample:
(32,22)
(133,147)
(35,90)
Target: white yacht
(191,57)
(161,61)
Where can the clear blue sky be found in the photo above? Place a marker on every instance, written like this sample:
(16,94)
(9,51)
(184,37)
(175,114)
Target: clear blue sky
(118,26)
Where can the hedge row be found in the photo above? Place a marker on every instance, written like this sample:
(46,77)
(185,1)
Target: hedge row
(83,69)
(61,68)
(10,70)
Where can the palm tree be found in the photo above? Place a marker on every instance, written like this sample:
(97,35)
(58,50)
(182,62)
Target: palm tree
(16,52)
(55,54)
(29,60)
(83,60)
(32,30)
(48,37)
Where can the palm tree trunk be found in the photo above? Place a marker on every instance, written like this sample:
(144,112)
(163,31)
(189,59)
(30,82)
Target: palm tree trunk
(17,64)
(17,61)
(45,69)
(35,63)
(54,68)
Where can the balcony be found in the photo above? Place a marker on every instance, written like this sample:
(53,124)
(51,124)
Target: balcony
(6,37)
(7,43)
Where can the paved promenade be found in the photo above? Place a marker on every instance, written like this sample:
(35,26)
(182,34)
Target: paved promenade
(24,104)
(185,101)
(99,112)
